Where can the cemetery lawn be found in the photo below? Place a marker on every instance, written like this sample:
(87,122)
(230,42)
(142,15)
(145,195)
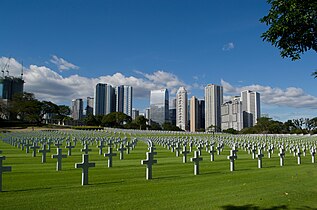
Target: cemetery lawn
(33,185)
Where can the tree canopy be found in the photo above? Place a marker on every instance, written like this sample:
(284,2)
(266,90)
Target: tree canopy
(292,27)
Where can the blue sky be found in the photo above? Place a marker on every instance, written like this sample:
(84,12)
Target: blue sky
(68,46)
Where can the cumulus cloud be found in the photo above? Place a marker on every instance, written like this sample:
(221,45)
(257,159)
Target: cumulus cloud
(227,47)
(62,64)
(290,97)
(47,84)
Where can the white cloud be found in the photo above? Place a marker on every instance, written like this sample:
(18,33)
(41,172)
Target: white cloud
(62,64)
(47,84)
(290,97)
(227,47)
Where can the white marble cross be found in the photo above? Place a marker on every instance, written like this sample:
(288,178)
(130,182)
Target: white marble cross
(59,157)
(232,157)
(121,149)
(260,156)
(149,162)
(282,155)
(196,159)
(86,149)
(178,149)
(312,152)
(69,147)
(298,153)
(3,169)
(44,151)
(85,165)
(100,146)
(185,152)
(34,147)
(110,155)
(212,153)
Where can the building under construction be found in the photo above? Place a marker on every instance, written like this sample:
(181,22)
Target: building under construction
(9,86)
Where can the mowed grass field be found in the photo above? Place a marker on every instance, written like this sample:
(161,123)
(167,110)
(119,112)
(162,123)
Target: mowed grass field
(33,185)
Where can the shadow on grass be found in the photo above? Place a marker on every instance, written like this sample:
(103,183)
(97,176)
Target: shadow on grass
(26,190)
(253,207)
(107,183)
(166,177)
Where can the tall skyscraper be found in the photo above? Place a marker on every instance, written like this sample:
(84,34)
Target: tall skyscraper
(127,100)
(250,107)
(231,114)
(181,109)
(119,98)
(147,115)
(197,114)
(135,113)
(77,109)
(193,114)
(159,106)
(9,86)
(104,99)
(213,102)
(201,114)
(124,99)
(90,106)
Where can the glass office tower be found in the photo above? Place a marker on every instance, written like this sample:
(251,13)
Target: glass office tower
(159,106)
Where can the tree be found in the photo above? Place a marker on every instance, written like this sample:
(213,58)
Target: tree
(115,119)
(26,108)
(293,25)
(141,121)
(91,120)
(169,127)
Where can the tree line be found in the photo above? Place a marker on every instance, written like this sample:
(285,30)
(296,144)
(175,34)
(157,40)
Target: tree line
(27,109)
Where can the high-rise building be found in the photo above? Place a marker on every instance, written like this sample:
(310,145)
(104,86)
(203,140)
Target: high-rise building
(197,114)
(159,105)
(90,106)
(147,115)
(9,86)
(213,102)
(124,99)
(104,99)
(231,114)
(193,114)
(127,100)
(181,109)
(250,107)
(201,114)
(135,113)
(119,98)
(77,109)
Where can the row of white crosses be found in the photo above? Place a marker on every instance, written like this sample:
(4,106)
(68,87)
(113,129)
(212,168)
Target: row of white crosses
(85,165)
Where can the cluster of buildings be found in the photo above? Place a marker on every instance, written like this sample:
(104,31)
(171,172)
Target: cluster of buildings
(210,113)
(106,99)
(193,114)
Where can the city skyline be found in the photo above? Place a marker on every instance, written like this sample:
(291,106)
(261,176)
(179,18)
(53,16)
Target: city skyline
(152,45)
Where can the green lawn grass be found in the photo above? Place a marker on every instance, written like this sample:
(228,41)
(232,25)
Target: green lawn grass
(33,185)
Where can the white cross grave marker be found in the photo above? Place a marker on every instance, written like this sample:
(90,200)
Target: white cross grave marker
(59,157)
(3,169)
(196,159)
(85,165)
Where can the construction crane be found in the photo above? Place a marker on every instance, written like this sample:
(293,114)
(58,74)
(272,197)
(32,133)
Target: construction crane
(5,68)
